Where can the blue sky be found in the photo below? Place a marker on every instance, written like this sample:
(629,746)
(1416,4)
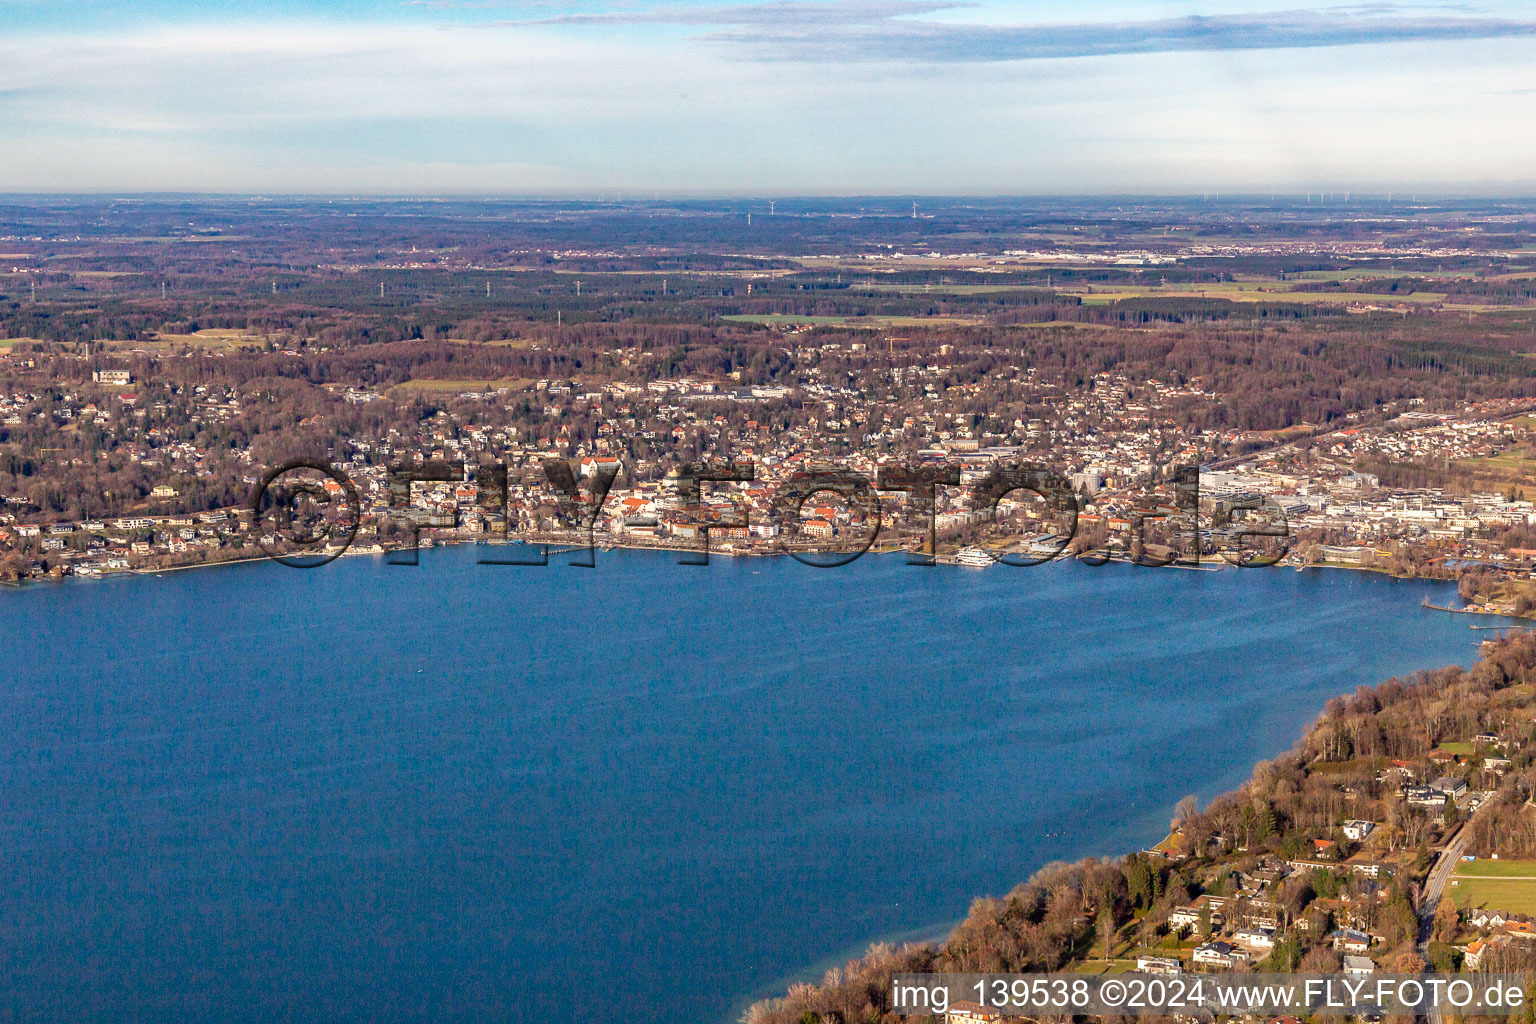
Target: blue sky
(767,96)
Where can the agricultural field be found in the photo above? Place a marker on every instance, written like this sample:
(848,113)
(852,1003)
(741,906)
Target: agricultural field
(211,338)
(1517,466)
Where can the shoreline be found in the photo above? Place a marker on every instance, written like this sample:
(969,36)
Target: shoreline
(928,935)
(812,973)
(562,546)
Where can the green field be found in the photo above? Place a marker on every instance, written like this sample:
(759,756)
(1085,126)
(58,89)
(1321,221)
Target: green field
(1482,868)
(1496,893)
(1517,466)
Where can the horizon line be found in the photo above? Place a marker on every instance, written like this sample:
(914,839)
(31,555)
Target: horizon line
(642,195)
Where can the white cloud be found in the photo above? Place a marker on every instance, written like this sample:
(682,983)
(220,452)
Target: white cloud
(340,107)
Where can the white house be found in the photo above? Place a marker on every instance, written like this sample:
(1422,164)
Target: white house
(970,1013)
(1483,919)
(1219,954)
(1256,939)
(1359,965)
(1358,830)
(1159,965)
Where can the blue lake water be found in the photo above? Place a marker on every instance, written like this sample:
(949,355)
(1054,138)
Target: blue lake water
(644,792)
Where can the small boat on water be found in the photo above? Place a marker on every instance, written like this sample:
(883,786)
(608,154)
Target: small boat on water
(974,557)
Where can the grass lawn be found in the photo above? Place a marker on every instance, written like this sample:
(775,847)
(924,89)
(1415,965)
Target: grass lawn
(1463,749)
(1483,868)
(1182,953)
(1498,893)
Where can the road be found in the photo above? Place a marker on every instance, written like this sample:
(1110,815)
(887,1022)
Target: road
(1434,885)
(1434,889)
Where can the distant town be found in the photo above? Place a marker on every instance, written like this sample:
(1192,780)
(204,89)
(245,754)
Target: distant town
(1349,393)
(1114,445)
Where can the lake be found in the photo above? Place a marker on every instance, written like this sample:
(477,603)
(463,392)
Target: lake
(641,792)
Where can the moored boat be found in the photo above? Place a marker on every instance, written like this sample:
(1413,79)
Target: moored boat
(974,557)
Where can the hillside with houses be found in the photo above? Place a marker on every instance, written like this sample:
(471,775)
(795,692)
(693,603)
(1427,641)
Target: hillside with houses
(1398,835)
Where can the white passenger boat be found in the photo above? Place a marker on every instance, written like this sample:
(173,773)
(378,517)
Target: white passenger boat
(974,557)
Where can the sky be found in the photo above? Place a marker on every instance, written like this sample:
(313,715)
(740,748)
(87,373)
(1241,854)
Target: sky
(767,97)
